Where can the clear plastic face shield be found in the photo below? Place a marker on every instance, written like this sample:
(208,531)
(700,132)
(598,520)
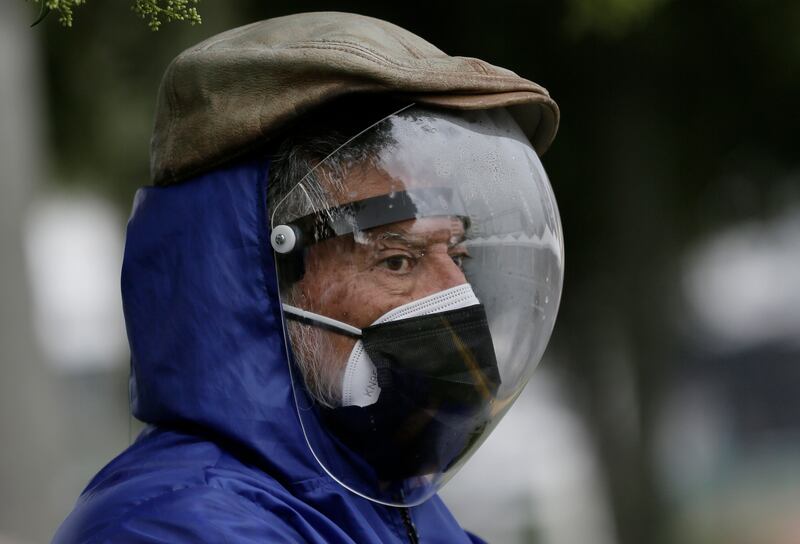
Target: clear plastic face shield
(420,269)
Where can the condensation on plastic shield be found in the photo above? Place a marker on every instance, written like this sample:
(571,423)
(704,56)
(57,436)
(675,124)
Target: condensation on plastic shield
(422,203)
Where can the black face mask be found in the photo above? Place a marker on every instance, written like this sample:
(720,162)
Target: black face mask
(438,377)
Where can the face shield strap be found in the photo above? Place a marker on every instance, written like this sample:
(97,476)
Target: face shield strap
(292,312)
(289,240)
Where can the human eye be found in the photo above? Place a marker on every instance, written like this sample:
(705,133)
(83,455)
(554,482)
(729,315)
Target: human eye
(459,256)
(398,263)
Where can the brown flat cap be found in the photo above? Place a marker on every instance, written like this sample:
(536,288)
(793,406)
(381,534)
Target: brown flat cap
(234,91)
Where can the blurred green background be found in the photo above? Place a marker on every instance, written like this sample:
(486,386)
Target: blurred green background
(666,410)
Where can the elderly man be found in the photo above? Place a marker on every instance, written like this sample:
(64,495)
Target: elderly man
(346,273)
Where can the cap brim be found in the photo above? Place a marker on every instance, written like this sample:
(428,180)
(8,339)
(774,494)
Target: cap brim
(536,113)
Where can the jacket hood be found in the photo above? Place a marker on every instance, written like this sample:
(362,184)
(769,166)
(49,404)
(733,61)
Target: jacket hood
(201,307)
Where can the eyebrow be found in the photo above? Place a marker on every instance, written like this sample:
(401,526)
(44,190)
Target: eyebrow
(417,241)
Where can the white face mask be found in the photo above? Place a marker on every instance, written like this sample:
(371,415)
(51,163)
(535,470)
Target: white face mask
(360,382)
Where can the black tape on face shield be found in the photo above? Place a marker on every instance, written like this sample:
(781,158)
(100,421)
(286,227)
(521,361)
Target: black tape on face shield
(431,260)
(289,241)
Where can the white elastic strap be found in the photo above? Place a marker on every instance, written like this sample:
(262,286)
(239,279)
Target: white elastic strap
(329,321)
(454,298)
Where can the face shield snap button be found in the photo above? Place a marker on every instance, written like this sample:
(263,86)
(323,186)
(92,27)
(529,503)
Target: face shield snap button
(283,239)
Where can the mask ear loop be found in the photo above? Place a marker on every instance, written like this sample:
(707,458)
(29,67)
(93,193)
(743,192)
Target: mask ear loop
(328,322)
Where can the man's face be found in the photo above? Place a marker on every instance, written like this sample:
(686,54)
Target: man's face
(358,278)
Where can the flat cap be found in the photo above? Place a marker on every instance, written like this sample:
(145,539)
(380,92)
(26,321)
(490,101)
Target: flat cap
(237,90)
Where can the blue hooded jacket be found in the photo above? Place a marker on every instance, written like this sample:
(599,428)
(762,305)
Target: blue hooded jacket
(224,458)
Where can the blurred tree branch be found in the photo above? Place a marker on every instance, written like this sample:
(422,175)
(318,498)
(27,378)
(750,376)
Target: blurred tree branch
(153,11)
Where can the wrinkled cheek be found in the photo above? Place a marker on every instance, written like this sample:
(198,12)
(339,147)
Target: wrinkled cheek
(322,284)
(361,298)
(340,298)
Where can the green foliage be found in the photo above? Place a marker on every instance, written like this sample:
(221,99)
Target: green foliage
(170,10)
(153,11)
(64,9)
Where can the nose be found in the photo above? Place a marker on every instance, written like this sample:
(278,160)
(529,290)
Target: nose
(440,273)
